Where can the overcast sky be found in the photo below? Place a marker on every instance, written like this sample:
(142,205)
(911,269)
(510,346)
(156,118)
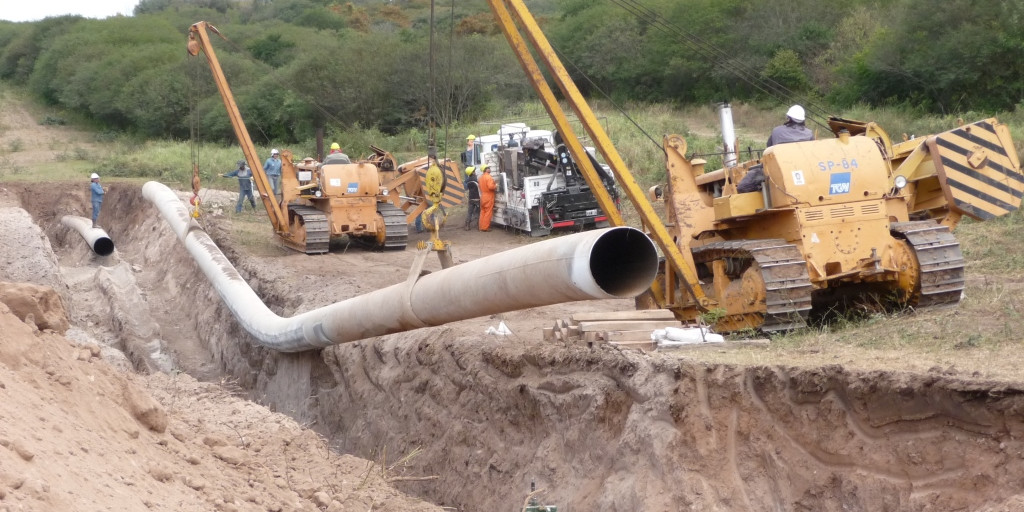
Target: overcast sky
(31,10)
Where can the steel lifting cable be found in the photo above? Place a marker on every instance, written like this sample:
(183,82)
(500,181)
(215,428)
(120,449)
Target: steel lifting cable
(724,60)
(451,84)
(607,97)
(193,128)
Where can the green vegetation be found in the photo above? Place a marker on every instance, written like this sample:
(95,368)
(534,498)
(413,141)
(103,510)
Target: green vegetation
(298,64)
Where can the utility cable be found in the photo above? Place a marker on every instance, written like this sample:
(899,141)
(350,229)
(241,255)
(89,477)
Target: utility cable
(606,96)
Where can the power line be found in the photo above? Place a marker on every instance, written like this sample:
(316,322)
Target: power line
(721,58)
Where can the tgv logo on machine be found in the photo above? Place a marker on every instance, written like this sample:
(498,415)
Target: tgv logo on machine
(840,183)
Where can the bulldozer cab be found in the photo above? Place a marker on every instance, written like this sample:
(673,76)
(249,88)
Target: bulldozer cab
(822,172)
(340,180)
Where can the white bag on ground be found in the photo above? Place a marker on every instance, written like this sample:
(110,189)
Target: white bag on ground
(501,330)
(675,336)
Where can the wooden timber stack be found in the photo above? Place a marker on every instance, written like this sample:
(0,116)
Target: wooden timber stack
(626,329)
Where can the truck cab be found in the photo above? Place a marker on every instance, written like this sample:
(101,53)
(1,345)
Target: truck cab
(539,186)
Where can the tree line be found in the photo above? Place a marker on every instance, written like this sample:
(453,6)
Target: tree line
(297,64)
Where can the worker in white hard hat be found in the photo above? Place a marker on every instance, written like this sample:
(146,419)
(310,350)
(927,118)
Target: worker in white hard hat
(273,169)
(97,196)
(793,130)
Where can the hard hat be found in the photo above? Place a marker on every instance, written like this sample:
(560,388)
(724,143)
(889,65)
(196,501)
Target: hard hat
(240,163)
(471,137)
(273,152)
(484,167)
(94,176)
(334,145)
(796,113)
(470,170)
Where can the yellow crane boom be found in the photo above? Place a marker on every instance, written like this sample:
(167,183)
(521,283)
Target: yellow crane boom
(199,41)
(510,12)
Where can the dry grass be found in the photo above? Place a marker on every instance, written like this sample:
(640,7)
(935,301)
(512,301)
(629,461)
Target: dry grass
(978,339)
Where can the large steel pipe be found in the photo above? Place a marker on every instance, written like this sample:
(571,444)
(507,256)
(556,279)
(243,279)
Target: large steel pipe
(99,241)
(609,263)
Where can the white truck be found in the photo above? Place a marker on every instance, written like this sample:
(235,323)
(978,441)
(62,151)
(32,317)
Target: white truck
(539,186)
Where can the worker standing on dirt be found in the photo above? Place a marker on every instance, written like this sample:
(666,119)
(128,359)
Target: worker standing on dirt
(487,189)
(793,130)
(273,169)
(473,196)
(97,196)
(467,155)
(244,175)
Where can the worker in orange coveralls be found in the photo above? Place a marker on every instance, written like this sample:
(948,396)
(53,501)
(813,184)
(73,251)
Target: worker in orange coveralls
(487,188)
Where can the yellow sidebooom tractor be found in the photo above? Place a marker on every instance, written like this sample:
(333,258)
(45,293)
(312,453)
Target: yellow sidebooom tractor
(372,200)
(850,218)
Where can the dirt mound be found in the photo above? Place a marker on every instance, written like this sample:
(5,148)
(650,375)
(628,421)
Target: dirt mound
(82,431)
(80,435)
(38,306)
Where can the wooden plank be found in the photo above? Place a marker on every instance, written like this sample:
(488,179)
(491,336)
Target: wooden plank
(644,314)
(572,332)
(725,345)
(626,325)
(646,346)
(641,335)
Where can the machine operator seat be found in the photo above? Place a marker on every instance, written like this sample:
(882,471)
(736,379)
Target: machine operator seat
(337,158)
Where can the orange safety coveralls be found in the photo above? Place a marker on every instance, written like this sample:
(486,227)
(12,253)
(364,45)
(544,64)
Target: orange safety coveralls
(487,188)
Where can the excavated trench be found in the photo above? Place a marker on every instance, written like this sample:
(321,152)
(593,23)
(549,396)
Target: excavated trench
(599,429)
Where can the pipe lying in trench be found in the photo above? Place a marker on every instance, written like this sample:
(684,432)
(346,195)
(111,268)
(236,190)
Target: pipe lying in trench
(99,241)
(609,263)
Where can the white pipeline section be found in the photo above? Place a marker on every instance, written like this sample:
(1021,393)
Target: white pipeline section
(609,263)
(98,240)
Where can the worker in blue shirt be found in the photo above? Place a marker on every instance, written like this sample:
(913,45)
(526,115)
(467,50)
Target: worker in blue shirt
(97,196)
(273,169)
(244,175)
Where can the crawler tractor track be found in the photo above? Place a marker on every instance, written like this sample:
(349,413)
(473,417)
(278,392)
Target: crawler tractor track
(783,272)
(940,262)
(310,233)
(396,230)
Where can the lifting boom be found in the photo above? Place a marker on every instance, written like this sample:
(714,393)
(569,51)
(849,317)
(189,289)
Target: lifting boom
(508,13)
(841,221)
(199,40)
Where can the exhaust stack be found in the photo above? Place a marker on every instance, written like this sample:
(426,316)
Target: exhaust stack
(728,134)
(616,262)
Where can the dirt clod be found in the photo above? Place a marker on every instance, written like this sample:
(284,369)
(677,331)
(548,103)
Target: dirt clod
(145,409)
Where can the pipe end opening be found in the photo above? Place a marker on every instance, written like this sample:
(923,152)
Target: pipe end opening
(624,262)
(104,246)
